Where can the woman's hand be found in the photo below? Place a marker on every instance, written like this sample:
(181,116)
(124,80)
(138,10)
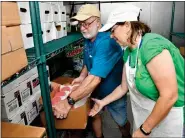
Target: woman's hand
(99,104)
(138,134)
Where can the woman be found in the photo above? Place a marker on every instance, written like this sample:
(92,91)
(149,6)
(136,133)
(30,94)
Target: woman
(153,74)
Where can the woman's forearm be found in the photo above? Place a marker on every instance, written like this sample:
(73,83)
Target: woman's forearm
(115,95)
(159,112)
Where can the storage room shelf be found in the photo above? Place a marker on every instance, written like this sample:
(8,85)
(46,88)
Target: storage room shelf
(180,35)
(53,48)
(31,64)
(57,46)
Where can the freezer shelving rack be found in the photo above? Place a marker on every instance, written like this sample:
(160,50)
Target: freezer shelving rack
(38,56)
(172,33)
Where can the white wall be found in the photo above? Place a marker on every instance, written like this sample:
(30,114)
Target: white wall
(156,14)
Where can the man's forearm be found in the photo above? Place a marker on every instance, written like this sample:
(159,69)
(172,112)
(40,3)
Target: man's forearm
(87,87)
(84,72)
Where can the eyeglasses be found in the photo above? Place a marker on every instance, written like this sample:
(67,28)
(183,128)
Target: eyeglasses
(115,26)
(85,25)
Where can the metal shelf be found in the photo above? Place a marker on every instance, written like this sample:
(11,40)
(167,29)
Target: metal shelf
(55,47)
(179,35)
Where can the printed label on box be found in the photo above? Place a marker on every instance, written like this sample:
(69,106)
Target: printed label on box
(12,105)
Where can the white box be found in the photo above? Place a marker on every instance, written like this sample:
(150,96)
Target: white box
(57,3)
(12,85)
(31,109)
(64,28)
(35,83)
(27,36)
(49,32)
(62,10)
(11,103)
(61,3)
(37,96)
(26,90)
(59,29)
(45,12)
(19,117)
(24,12)
(56,15)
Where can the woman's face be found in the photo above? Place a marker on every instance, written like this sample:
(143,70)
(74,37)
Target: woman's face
(121,33)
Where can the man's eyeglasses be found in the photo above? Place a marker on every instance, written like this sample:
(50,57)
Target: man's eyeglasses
(85,25)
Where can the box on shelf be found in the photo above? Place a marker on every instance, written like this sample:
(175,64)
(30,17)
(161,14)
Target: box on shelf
(37,96)
(64,28)
(19,117)
(35,83)
(61,29)
(45,12)
(15,37)
(76,119)
(12,85)
(13,62)
(27,35)
(11,103)
(10,14)
(24,12)
(31,109)
(6,47)
(49,32)
(62,10)
(56,15)
(11,39)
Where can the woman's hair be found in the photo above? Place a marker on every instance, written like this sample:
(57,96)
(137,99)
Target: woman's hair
(138,27)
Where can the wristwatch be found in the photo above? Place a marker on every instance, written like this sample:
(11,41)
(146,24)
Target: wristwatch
(70,100)
(144,131)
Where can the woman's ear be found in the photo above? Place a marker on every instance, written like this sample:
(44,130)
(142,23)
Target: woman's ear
(127,24)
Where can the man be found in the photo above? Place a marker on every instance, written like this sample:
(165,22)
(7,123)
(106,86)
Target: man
(102,71)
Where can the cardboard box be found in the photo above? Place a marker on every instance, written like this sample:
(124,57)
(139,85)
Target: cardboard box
(19,117)
(15,37)
(11,39)
(18,130)
(12,85)
(10,14)
(27,36)
(24,12)
(35,83)
(56,15)
(13,62)
(45,12)
(62,10)
(31,109)
(11,103)
(49,32)
(76,119)
(6,47)
(182,50)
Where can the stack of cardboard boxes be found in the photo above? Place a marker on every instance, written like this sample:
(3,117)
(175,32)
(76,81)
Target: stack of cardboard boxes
(20,99)
(13,54)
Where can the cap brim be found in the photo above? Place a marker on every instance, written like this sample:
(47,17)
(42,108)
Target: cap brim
(106,27)
(80,17)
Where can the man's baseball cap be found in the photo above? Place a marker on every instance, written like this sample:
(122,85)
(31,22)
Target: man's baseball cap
(86,11)
(125,12)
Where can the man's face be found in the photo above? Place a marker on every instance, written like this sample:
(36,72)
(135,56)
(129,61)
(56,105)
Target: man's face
(89,28)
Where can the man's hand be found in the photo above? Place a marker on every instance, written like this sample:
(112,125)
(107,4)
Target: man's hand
(77,80)
(55,87)
(61,109)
